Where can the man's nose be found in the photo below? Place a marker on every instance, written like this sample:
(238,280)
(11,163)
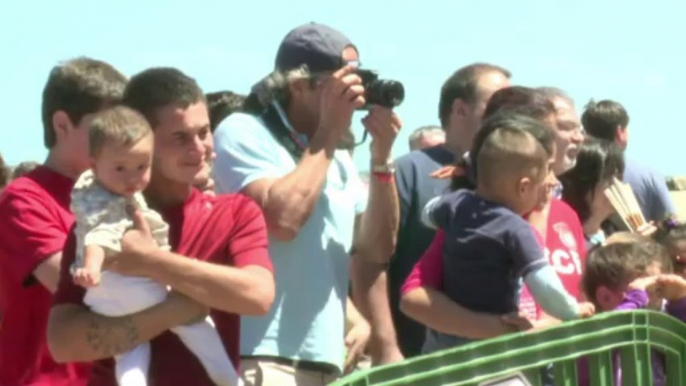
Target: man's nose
(198,146)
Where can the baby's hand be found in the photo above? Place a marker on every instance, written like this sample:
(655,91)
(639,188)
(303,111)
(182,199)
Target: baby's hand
(586,309)
(86,278)
(670,287)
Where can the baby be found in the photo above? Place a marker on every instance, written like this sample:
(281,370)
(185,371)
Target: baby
(121,147)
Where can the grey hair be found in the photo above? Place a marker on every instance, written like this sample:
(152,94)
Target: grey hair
(274,87)
(422,132)
(551,93)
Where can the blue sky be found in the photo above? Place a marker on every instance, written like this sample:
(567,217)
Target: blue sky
(629,51)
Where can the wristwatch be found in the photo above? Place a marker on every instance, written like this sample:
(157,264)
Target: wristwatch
(386,168)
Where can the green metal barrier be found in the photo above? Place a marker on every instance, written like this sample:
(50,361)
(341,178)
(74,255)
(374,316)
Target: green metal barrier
(630,334)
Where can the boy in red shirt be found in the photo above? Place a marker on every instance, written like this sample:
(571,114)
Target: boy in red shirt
(220,258)
(36,220)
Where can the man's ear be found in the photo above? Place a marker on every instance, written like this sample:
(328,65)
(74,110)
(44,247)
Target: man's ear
(299,86)
(523,185)
(621,135)
(460,108)
(61,125)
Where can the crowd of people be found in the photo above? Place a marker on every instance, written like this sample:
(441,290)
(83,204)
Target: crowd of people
(177,237)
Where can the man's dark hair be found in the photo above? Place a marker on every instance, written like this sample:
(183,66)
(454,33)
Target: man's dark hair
(598,161)
(221,104)
(524,100)
(602,119)
(4,173)
(463,84)
(78,87)
(154,88)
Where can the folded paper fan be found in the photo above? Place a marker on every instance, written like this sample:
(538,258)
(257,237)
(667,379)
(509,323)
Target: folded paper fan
(625,203)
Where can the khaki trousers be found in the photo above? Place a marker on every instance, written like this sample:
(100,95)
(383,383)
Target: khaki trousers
(264,372)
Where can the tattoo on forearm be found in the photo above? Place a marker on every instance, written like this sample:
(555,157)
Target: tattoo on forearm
(111,337)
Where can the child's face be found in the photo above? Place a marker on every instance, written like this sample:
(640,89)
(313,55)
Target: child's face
(608,299)
(124,170)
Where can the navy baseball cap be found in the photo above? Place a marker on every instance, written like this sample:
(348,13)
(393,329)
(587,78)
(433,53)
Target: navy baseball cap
(318,46)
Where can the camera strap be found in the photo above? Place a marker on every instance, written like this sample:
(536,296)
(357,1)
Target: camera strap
(284,136)
(288,139)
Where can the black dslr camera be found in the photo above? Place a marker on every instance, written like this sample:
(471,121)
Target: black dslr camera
(382,92)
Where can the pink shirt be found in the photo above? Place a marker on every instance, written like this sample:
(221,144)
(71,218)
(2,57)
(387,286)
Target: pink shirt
(564,248)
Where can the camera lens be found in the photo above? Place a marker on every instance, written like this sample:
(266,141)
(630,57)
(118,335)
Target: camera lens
(387,93)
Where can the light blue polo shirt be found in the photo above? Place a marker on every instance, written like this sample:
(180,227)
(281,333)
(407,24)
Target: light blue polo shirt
(307,319)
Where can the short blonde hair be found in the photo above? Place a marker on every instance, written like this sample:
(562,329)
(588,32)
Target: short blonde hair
(121,126)
(510,152)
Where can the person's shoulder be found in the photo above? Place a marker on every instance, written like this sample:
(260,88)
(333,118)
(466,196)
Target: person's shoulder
(638,170)
(565,223)
(230,204)
(22,189)
(560,207)
(91,196)
(560,211)
(226,214)
(515,223)
(28,183)
(240,134)
(462,196)
(27,202)
(86,188)
(228,198)
(438,155)
(498,220)
(516,230)
(238,122)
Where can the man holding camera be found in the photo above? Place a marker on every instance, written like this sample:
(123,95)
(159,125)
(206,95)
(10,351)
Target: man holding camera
(286,152)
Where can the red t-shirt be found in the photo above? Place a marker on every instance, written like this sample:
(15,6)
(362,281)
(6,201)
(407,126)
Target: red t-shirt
(565,245)
(564,248)
(35,222)
(228,230)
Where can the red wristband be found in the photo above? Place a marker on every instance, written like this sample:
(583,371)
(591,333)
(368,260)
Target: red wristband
(383,177)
